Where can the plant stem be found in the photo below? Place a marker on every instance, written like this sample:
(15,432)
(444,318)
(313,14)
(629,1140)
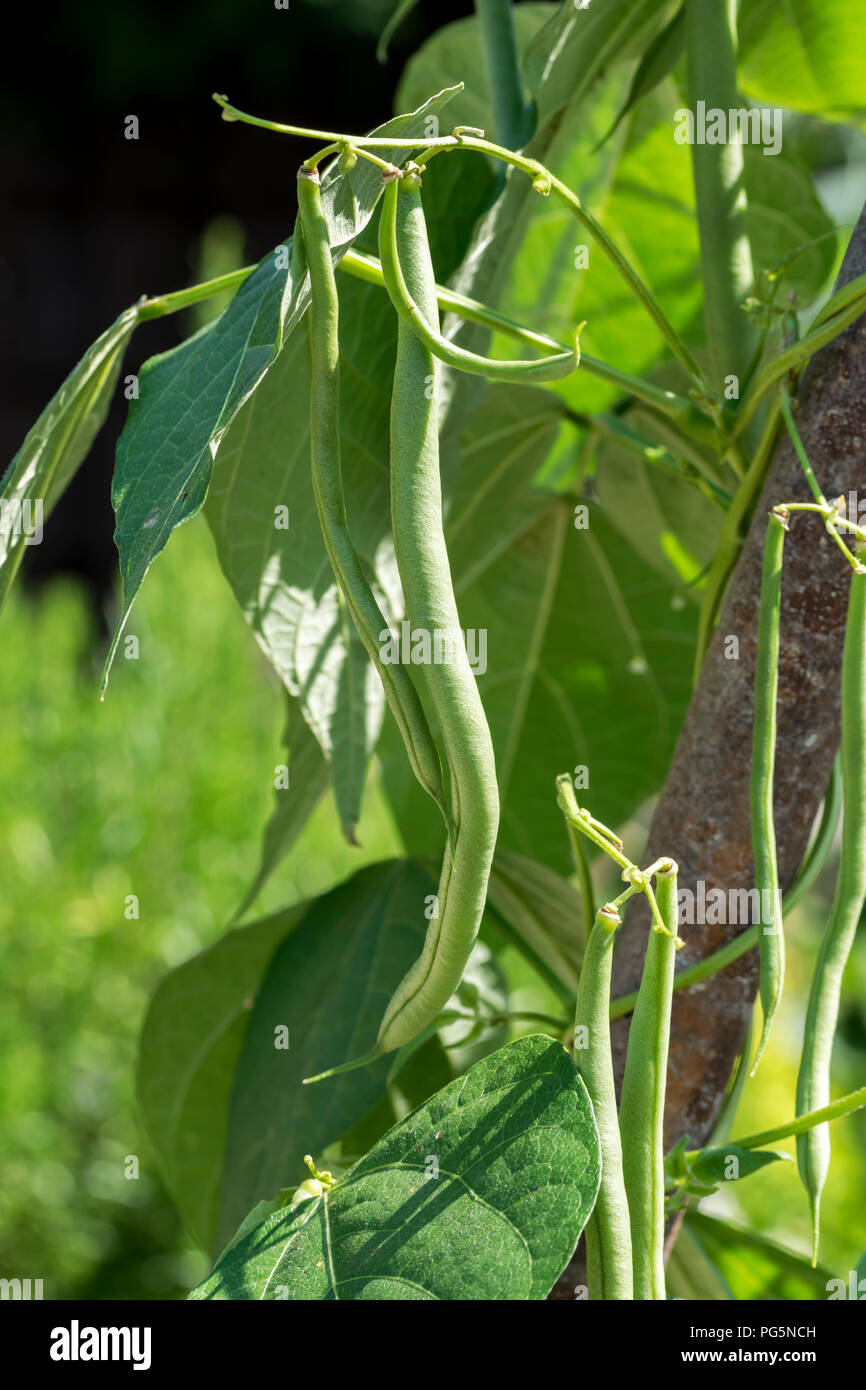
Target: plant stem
(730,538)
(504,84)
(855,1100)
(785,403)
(726,257)
(587,894)
(679,408)
(838,313)
(640,291)
(182,299)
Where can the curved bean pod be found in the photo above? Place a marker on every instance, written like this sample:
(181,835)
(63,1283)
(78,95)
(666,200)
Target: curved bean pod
(425,574)
(328,488)
(423,318)
(608,1231)
(771,938)
(642,1103)
(813,1081)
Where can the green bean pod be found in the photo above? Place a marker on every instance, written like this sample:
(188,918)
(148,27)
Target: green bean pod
(642,1103)
(425,574)
(417,315)
(771,939)
(813,1081)
(608,1231)
(365,612)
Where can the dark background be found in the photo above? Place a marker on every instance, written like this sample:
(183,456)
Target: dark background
(93,220)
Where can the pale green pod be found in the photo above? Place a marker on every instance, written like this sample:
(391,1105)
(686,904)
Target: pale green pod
(771,937)
(822,1014)
(642,1103)
(365,612)
(415,311)
(608,1231)
(425,574)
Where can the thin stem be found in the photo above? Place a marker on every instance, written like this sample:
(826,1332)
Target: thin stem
(543,180)
(680,408)
(163,304)
(587,894)
(726,257)
(610,426)
(559,1025)
(678,347)
(787,414)
(369,142)
(730,538)
(827,326)
(504,84)
(855,1100)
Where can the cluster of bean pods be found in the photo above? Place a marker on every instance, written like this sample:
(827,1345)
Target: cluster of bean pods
(471,803)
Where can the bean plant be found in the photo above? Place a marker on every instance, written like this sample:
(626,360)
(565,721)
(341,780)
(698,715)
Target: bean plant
(487,582)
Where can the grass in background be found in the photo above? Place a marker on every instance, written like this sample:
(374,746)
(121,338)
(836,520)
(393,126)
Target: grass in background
(160,792)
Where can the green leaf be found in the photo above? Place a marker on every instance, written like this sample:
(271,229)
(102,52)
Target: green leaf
(729,1163)
(660,57)
(189,1047)
(563,61)
(588,668)
(691,1275)
(294,804)
(189,397)
(577,45)
(807,54)
(483,994)
(785,214)
(328,984)
(480,1194)
(57,444)
(679,527)
(541,912)
(281,577)
(640,186)
(755,1268)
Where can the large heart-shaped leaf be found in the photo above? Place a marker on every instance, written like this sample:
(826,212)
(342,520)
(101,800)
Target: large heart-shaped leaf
(293,803)
(59,441)
(190,1045)
(280,574)
(541,913)
(481,1193)
(189,397)
(588,649)
(328,986)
